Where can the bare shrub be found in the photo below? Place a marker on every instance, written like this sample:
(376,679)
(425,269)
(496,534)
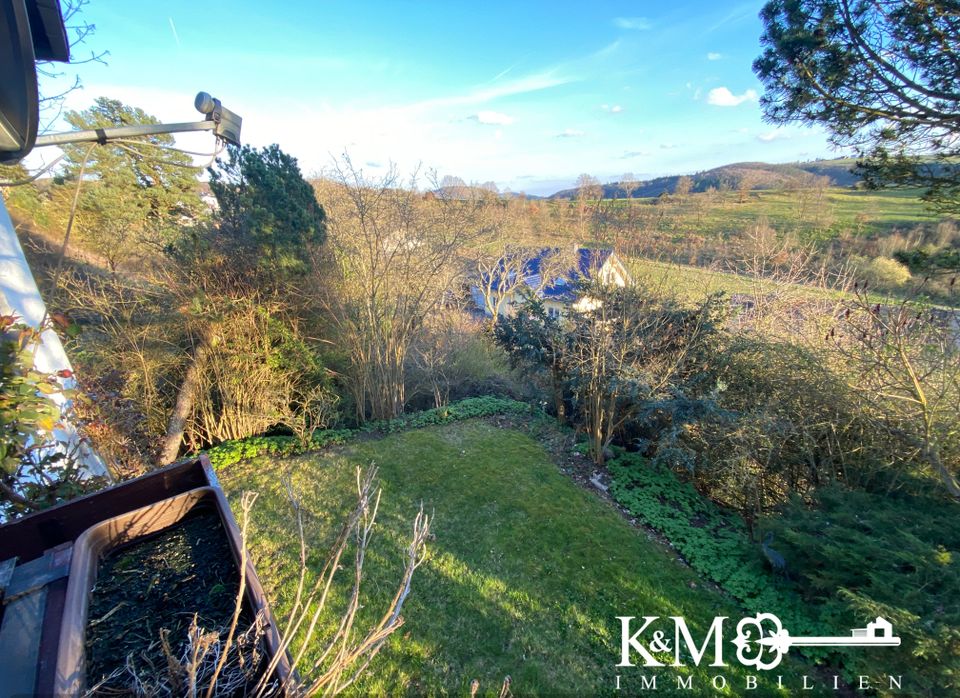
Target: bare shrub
(348,650)
(903,360)
(389,264)
(312,407)
(242,389)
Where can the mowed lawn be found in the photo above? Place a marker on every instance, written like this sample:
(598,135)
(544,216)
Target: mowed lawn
(527,573)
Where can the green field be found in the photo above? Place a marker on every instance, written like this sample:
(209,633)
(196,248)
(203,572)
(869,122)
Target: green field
(527,573)
(693,284)
(811,214)
(689,282)
(834,211)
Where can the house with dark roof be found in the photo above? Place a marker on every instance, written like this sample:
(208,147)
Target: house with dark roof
(551,274)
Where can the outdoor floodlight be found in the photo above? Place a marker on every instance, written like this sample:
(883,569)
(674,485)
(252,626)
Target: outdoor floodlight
(227,123)
(223,122)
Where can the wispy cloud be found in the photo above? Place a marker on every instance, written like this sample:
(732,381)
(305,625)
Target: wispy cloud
(714,56)
(736,15)
(615,109)
(635,23)
(570,133)
(630,154)
(503,73)
(723,97)
(518,86)
(774,135)
(491,118)
(668,146)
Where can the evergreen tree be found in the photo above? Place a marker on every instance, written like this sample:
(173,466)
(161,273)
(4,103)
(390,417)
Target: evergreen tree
(267,213)
(882,77)
(135,192)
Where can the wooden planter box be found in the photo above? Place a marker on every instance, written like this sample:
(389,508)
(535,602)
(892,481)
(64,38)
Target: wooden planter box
(97,542)
(49,561)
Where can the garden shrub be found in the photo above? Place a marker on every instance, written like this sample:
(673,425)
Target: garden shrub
(851,556)
(858,555)
(779,420)
(229,452)
(468,408)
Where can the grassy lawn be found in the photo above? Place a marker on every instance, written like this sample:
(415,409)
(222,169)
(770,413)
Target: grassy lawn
(527,574)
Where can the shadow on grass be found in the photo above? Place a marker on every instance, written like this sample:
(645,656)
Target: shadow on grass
(527,574)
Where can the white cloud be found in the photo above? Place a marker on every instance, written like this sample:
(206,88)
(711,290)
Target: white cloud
(570,133)
(714,56)
(668,146)
(630,154)
(492,118)
(723,97)
(636,23)
(615,109)
(775,134)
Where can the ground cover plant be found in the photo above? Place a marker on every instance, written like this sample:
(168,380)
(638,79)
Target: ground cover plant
(527,570)
(853,556)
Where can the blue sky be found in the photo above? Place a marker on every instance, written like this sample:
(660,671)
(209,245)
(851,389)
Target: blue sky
(528,95)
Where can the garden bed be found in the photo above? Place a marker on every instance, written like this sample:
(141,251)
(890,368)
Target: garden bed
(147,584)
(159,585)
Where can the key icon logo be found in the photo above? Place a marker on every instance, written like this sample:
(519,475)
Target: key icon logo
(762,641)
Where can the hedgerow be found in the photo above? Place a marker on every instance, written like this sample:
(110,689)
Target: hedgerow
(858,555)
(228,453)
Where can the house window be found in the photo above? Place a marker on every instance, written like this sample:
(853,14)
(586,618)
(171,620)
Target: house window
(554,313)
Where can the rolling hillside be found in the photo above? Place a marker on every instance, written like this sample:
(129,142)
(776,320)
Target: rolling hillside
(758,174)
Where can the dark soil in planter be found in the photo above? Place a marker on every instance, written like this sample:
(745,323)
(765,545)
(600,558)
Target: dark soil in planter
(160,583)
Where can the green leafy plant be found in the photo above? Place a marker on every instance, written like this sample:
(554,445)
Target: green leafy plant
(858,555)
(713,542)
(230,452)
(38,469)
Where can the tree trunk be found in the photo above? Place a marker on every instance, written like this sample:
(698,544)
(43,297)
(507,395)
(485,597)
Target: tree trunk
(186,396)
(948,478)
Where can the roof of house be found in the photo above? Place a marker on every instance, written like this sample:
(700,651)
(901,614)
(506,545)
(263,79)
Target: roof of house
(563,286)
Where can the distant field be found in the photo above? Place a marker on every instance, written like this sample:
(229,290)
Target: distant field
(681,228)
(810,213)
(689,282)
(696,283)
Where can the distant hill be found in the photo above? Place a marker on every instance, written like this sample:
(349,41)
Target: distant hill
(759,175)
